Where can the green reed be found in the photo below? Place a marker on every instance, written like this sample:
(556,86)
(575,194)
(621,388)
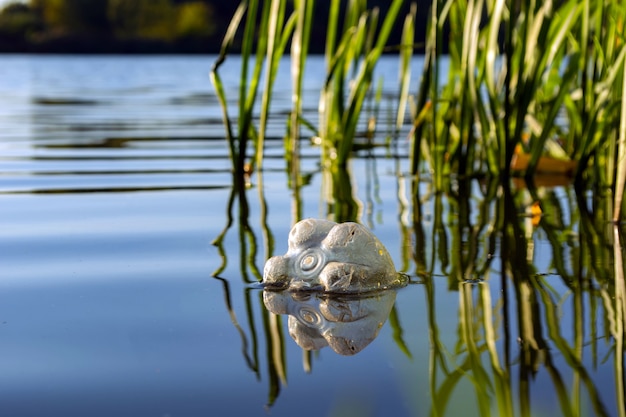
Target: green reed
(351,58)
(248,85)
(406,54)
(620,174)
(267,31)
(545,78)
(353,48)
(532,78)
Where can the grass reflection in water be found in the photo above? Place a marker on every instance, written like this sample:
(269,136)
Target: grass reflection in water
(528,325)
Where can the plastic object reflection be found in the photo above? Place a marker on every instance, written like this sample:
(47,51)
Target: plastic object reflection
(346,323)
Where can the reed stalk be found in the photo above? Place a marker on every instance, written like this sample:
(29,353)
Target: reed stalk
(406,54)
(350,65)
(248,86)
(620,173)
(279,33)
(299,54)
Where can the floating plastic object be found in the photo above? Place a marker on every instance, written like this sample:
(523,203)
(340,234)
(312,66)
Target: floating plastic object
(344,258)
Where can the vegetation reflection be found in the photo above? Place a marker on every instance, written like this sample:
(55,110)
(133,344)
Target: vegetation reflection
(510,329)
(510,308)
(519,319)
(271,326)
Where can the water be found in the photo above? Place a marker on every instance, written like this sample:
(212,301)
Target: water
(114,300)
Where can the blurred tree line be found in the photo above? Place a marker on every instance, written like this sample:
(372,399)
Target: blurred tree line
(113,25)
(131,26)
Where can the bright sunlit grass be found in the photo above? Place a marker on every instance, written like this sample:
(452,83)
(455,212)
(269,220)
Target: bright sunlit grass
(528,86)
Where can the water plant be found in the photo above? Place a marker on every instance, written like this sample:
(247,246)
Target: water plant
(507,88)
(351,57)
(269,40)
(531,79)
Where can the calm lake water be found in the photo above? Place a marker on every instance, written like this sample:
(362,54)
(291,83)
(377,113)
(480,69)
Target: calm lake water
(115,300)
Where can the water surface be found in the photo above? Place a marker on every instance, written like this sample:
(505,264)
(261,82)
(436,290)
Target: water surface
(114,299)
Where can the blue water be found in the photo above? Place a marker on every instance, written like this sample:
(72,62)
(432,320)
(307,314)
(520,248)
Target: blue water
(115,301)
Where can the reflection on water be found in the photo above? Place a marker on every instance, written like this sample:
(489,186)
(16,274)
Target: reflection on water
(521,303)
(75,124)
(117,204)
(345,323)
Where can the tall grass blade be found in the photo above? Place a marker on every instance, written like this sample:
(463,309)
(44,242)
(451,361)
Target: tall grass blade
(299,55)
(620,176)
(358,52)
(217,81)
(279,33)
(406,54)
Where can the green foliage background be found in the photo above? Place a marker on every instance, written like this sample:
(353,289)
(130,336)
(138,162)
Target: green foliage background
(135,26)
(113,25)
